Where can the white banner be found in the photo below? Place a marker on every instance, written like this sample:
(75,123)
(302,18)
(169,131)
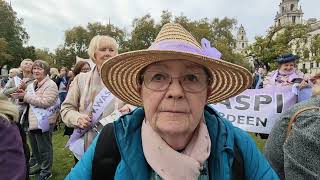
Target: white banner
(256,110)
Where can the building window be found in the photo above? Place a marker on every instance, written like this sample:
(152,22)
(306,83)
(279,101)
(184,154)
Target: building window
(282,9)
(303,66)
(317,64)
(311,65)
(279,23)
(241,37)
(292,7)
(242,45)
(293,19)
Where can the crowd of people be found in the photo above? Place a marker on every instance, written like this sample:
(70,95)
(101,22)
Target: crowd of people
(145,115)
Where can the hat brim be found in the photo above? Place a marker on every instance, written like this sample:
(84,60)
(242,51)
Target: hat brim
(120,74)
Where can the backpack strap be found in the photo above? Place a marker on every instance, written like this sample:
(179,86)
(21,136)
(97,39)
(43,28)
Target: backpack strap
(237,165)
(106,156)
(294,118)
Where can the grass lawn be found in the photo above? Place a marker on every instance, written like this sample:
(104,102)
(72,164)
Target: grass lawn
(63,159)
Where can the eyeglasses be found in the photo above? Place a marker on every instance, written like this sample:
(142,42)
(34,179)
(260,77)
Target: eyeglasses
(191,82)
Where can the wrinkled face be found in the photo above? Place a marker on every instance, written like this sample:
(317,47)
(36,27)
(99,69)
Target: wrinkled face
(26,66)
(104,51)
(38,73)
(173,110)
(287,67)
(85,68)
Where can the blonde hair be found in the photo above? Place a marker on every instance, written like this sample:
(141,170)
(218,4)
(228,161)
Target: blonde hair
(23,61)
(8,110)
(16,71)
(54,71)
(94,45)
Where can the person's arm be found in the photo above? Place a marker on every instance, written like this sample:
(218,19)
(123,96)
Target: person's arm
(45,100)
(70,106)
(9,88)
(255,164)
(83,169)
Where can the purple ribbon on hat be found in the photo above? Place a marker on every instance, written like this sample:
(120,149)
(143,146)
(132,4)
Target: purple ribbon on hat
(178,45)
(208,50)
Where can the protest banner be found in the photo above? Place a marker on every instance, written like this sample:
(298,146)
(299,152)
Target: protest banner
(256,110)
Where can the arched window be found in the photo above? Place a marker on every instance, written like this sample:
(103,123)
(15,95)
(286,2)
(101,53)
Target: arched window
(242,45)
(291,7)
(241,37)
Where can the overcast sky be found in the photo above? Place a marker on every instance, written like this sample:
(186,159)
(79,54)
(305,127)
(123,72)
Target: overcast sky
(46,20)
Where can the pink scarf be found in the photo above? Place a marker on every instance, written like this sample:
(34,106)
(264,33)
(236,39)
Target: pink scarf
(170,164)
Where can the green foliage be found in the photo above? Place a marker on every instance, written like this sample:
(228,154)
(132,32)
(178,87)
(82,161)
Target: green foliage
(143,34)
(13,36)
(280,40)
(45,55)
(315,47)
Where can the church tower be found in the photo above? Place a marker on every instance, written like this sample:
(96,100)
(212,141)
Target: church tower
(242,40)
(289,13)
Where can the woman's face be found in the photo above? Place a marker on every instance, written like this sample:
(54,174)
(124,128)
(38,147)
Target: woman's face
(85,68)
(38,73)
(105,50)
(174,111)
(287,67)
(26,66)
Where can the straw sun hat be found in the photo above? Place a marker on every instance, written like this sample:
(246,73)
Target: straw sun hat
(121,73)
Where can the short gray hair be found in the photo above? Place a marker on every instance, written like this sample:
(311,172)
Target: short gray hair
(42,64)
(94,44)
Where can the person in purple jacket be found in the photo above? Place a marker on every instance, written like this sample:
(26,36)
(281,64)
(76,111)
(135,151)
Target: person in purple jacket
(12,156)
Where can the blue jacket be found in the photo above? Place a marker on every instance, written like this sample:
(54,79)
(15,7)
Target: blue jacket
(223,137)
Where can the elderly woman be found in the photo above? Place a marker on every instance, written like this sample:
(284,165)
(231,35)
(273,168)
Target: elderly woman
(42,98)
(174,135)
(88,100)
(286,73)
(21,80)
(12,157)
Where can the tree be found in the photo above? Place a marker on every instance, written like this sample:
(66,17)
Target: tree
(315,47)
(4,55)
(13,34)
(64,57)
(143,34)
(45,55)
(280,40)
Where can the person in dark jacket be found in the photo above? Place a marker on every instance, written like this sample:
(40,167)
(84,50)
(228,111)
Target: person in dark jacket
(13,160)
(62,83)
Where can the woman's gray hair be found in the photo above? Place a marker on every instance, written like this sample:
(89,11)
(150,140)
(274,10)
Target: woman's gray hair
(42,64)
(94,44)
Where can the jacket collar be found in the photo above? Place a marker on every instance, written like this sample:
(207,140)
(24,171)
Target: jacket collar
(39,84)
(128,137)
